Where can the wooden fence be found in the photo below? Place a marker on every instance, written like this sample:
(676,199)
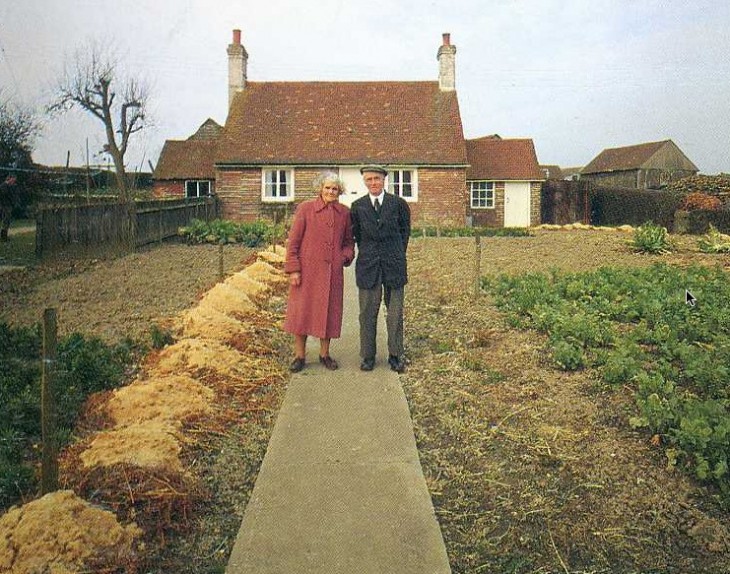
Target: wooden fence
(116,226)
(565,202)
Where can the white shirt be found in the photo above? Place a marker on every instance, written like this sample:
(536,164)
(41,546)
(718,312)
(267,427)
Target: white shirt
(378,197)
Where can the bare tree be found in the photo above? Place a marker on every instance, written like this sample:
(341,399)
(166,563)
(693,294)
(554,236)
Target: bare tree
(92,80)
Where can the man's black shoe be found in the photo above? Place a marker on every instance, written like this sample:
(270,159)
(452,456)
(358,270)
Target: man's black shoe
(396,363)
(367,364)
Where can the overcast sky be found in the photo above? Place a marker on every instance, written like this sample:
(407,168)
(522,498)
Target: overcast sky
(575,76)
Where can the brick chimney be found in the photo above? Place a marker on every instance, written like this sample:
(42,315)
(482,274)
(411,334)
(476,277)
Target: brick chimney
(237,64)
(447,65)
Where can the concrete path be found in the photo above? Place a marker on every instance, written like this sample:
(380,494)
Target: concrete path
(341,490)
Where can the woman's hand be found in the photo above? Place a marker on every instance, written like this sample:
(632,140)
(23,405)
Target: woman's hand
(295,279)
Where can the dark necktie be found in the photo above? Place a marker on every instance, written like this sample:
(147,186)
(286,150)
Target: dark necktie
(377,207)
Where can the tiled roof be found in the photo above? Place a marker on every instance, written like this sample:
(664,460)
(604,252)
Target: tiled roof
(410,123)
(623,158)
(208,130)
(191,158)
(493,158)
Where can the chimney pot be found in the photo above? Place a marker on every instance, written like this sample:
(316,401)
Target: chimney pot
(236,36)
(447,38)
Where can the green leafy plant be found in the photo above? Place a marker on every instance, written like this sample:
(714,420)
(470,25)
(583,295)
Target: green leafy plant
(636,328)
(714,242)
(568,355)
(651,238)
(432,231)
(252,234)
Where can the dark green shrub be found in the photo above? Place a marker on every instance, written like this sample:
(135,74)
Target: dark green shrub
(84,366)
(701,220)
(161,337)
(621,206)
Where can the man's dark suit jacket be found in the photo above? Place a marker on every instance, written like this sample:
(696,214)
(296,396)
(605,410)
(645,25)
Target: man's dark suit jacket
(381,244)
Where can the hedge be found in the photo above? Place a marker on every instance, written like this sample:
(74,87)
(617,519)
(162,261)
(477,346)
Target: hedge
(700,220)
(617,206)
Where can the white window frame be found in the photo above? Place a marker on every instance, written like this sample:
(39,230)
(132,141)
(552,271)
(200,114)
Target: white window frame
(390,184)
(489,188)
(289,183)
(197,183)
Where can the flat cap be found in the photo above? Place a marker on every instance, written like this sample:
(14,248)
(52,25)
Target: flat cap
(374,168)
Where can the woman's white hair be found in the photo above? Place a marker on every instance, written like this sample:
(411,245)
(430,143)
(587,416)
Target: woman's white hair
(328,176)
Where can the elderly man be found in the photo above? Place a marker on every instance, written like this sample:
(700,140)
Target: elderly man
(381,226)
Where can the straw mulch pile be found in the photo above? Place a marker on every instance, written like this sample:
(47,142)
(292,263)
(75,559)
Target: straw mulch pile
(134,455)
(61,533)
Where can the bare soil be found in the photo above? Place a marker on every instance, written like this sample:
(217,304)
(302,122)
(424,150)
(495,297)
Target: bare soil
(530,469)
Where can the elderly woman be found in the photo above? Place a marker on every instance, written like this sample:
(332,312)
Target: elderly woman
(320,244)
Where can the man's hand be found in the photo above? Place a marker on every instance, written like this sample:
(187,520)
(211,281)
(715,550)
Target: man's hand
(295,279)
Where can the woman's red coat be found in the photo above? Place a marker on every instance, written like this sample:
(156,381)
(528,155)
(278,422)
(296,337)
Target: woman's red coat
(320,244)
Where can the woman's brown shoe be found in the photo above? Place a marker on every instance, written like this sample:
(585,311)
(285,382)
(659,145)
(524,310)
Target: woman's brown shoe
(329,362)
(296,365)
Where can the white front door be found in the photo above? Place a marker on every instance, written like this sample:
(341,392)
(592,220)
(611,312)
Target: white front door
(516,204)
(355,186)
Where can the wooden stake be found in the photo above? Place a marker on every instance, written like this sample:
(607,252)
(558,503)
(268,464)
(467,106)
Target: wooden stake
(477,264)
(49,462)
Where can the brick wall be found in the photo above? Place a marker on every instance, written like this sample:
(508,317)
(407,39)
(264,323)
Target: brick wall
(535,203)
(442,197)
(304,179)
(239,193)
(491,217)
(495,217)
(442,194)
(168,188)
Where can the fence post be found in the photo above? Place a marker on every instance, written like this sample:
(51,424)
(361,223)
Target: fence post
(477,263)
(39,234)
(221,275)
(160,232)
(49,463)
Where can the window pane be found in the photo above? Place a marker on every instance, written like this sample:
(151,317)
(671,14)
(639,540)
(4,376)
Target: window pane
(204,188)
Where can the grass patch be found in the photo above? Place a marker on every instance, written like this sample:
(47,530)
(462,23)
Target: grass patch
(19,249)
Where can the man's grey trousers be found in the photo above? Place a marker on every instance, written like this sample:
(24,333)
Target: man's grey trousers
(369,307)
